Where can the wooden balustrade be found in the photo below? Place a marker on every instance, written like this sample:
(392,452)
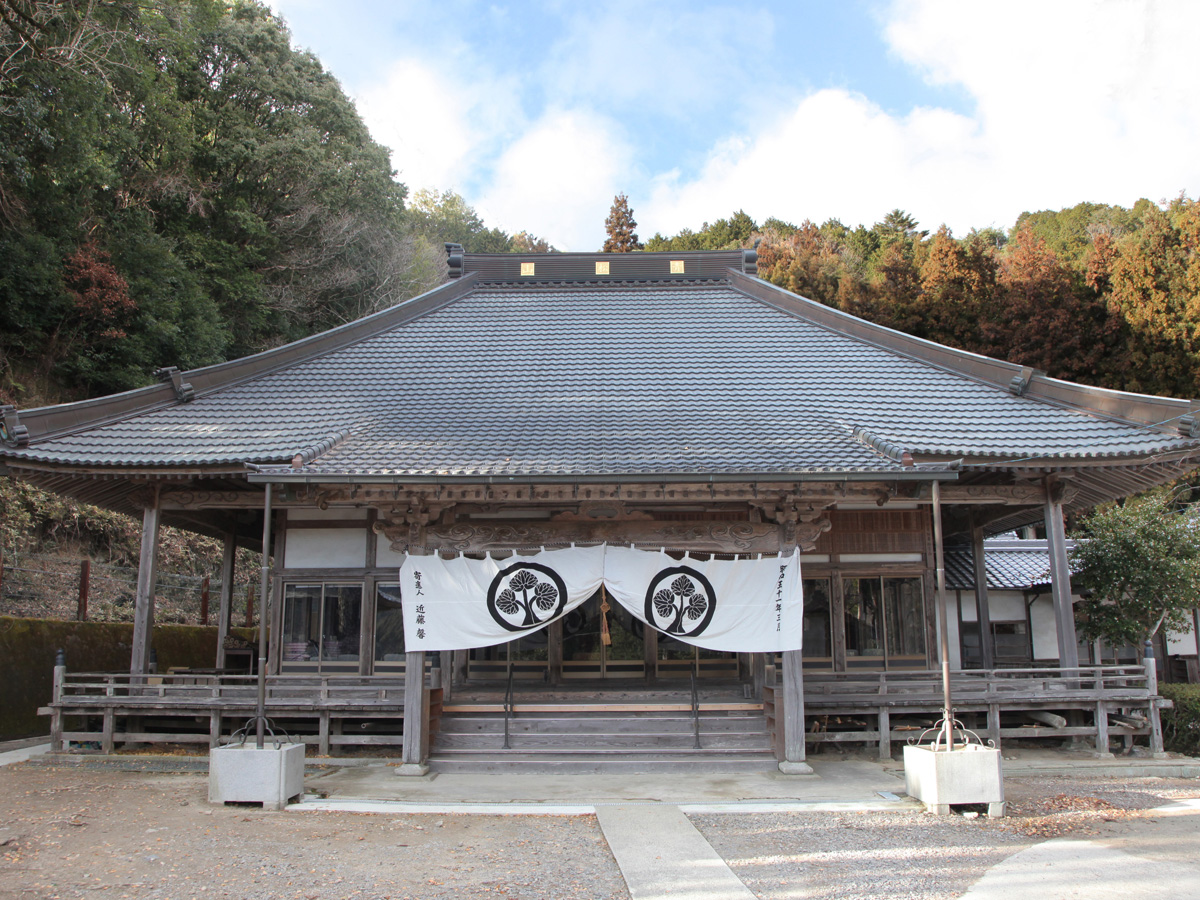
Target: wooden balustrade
(881,707)
(859,707)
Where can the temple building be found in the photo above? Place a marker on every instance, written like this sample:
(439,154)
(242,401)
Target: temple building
(668,402)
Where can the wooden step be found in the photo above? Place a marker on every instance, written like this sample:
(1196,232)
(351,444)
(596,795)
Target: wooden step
(620,762)
(609,742)
(559,708)
(492,724)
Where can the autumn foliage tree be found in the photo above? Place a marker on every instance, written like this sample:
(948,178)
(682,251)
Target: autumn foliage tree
(621,228)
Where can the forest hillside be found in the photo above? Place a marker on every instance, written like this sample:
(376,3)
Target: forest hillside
(180,186)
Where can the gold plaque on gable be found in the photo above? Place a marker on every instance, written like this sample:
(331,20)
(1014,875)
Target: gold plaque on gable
(677,267)
(602,268)
(527,269)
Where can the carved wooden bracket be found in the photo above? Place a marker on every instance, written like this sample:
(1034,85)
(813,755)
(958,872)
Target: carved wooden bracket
(711,537)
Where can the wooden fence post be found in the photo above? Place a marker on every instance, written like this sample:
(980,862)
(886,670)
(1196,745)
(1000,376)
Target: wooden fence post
(250,604)
(204,601)
(56,719)
(85,578)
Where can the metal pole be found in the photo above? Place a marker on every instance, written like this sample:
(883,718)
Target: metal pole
(944,631)
(261,709)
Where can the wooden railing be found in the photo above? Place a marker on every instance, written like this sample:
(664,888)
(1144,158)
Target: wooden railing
(316,705)
(858,707)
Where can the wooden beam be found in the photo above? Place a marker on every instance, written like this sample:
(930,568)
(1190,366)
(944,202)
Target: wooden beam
(143,608)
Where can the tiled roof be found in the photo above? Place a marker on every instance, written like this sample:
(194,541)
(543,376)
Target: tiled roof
(637,379)
(1011,565)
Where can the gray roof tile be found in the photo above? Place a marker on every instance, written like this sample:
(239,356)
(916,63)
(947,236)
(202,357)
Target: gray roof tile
(578,380)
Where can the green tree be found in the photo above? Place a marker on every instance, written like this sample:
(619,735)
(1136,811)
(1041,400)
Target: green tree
(222,175)
(1068,232)
(621,228)
(1141,564)
(440,216)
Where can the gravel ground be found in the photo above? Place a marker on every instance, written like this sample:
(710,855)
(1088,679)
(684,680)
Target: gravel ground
(916,856)
(75,833)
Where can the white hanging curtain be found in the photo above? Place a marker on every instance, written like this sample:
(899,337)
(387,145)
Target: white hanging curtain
(736,605)
(740,605)
(457,604)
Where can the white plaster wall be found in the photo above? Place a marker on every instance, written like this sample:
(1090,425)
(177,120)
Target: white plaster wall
(325,548)
(384,554)
(1003,606)
(1045,630)
(312,514)
(1182,643)
(1006,606)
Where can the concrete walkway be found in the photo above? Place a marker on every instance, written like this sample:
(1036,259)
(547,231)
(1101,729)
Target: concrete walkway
(838,785)
(8,757)
(662,855)
(1065,869)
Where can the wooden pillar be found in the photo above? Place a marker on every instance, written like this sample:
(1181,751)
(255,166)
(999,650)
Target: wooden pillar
(987,644)
(993,722)
(85,577)
(794,751)
(416,701)
(837,611)
(554,651)
(758,674)
(650,653)
(56,692)
(885,733)
(461,659)
(225,611)
(1102,750)
(143,610)
(1060,578)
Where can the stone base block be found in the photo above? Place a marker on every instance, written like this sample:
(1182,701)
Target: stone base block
(412,770)
(795,768)
(242,773)
(942,778)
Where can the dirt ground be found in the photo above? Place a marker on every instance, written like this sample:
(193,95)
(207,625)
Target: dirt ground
(75,833)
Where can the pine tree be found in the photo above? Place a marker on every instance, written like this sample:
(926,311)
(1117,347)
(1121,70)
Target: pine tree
(620,225)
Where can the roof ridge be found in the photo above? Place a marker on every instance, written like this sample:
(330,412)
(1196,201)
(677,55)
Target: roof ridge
(603,283)
(304,457)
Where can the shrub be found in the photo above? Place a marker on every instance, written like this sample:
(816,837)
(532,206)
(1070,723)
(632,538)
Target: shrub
(1181,725)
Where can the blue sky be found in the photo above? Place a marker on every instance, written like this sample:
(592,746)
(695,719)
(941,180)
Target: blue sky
(962,113)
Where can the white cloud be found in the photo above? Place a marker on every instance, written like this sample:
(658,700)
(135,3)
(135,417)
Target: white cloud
(671,57)
(1072,101)
(443,122)
(558,180)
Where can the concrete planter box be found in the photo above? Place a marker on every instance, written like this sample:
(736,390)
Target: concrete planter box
(941,778)
(241,773)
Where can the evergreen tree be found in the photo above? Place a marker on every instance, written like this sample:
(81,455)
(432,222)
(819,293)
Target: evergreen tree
(620,225)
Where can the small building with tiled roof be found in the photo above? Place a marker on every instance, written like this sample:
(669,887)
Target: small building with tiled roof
(659,400)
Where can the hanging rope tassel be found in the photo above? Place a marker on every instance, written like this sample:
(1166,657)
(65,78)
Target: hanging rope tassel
(605,637)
